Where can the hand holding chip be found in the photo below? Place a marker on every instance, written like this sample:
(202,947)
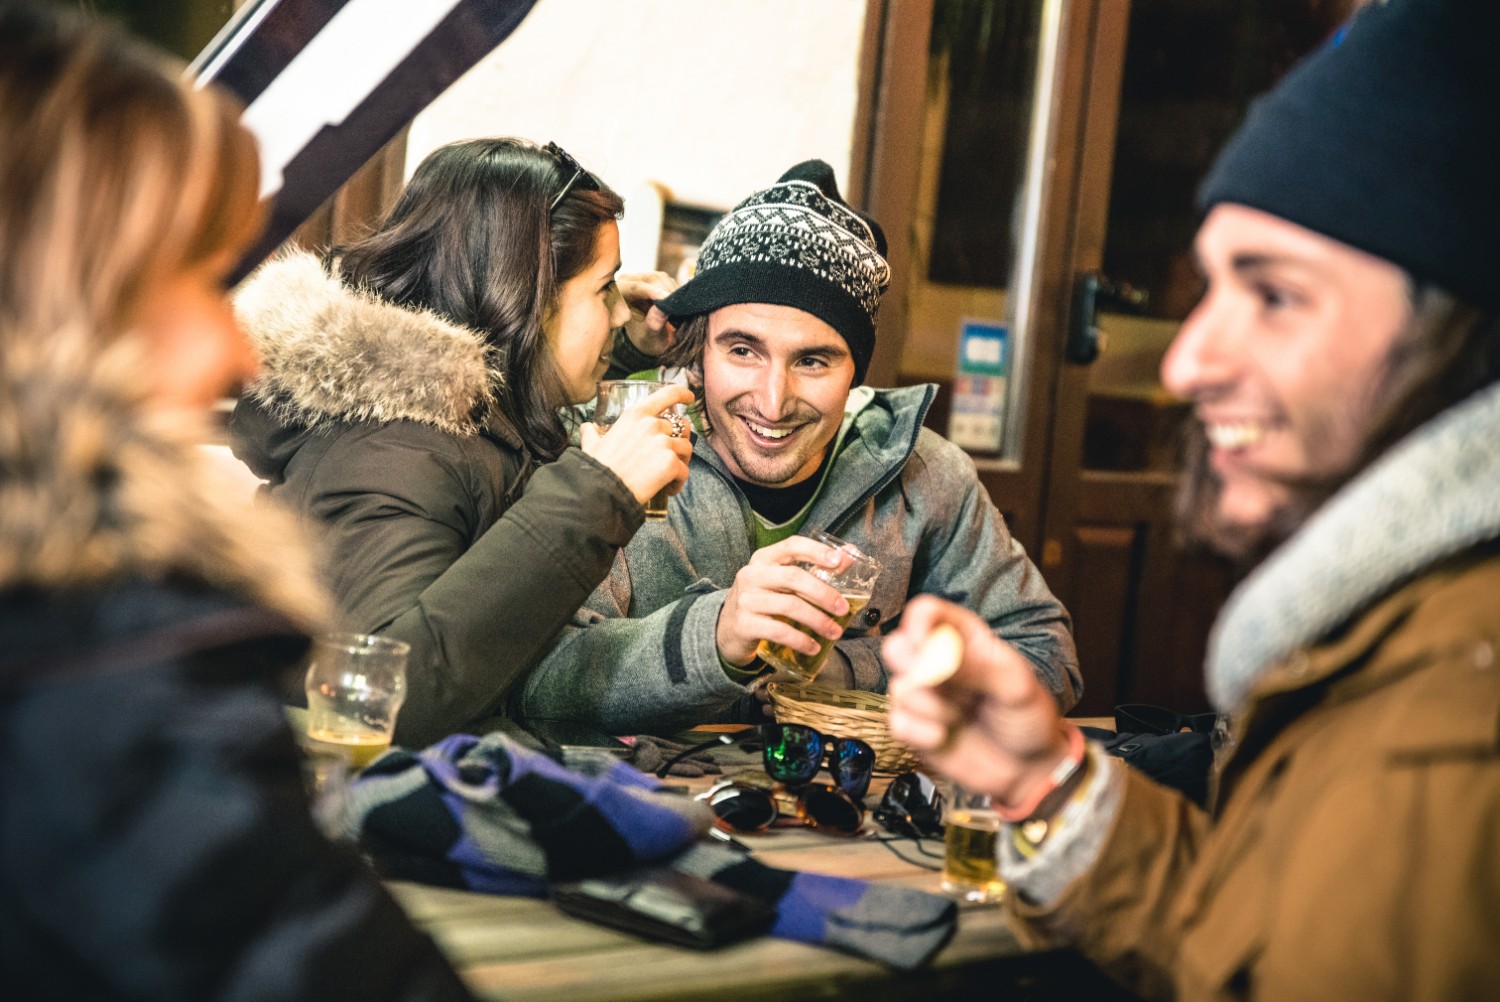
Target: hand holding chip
(970,703)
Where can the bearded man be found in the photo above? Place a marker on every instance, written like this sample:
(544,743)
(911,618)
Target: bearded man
(1343,369)
(775,332)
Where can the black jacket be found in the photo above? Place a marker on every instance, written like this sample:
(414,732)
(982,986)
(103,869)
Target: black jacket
(155,841)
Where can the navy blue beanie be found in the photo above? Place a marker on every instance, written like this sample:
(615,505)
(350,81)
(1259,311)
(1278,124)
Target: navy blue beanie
(796,243)
(1386,139)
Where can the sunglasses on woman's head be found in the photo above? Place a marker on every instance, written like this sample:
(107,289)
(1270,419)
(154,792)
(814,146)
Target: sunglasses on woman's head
(577,176)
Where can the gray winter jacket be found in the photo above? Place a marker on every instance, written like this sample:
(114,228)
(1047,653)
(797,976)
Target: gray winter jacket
(641,654)
(380,424)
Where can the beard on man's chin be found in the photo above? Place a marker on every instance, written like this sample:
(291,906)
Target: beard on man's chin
(1199,525)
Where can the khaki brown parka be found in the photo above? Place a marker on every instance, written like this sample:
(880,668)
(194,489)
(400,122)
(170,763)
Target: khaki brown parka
(1355,849)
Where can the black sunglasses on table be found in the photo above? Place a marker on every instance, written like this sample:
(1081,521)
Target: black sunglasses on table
(792,755)
(577,176)
(747,809)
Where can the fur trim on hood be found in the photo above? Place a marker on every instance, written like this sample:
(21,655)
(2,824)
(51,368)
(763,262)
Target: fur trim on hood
(98,490)
(331,354)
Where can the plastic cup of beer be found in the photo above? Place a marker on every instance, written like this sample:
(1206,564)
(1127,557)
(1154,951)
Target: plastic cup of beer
(355,685)
(854,576)
(971,827)
(611,398)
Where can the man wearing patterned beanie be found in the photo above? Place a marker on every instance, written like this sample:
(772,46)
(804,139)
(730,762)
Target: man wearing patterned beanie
(775,330)
(1344,369)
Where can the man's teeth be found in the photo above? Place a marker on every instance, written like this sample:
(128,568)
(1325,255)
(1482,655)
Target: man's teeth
(765,432)
(1234,435)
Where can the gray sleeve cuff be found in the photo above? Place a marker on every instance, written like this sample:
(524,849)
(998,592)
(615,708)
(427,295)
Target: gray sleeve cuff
(1080,833)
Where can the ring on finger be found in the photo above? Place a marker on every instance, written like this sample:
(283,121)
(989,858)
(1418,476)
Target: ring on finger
(679,425)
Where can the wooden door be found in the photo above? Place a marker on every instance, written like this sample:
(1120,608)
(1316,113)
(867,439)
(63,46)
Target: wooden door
(1061,138)
(953,169)
(1162,85)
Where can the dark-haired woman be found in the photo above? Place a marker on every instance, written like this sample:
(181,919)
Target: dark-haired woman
(409,402)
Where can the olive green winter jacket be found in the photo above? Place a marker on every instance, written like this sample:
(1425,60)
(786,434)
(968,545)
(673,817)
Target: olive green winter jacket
(379,423)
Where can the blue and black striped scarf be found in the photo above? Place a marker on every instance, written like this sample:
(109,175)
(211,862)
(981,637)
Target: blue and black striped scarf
(490,815)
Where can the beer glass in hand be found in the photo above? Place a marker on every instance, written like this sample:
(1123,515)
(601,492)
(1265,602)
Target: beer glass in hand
(854,577)
(614,395)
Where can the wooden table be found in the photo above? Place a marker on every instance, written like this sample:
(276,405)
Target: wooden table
(526,950)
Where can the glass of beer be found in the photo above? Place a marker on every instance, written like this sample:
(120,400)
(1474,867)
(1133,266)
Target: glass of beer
(612,397)
(971,827)
(854,577)
(355,684)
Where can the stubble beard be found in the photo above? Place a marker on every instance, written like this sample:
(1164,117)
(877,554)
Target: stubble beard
(1199,525)
(767,471)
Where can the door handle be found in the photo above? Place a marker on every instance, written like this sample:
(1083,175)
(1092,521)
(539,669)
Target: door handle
(1091,290)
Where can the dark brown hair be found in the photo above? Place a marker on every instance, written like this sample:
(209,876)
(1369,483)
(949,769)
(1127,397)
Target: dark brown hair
(472,238)
(1454,351)
(687,353)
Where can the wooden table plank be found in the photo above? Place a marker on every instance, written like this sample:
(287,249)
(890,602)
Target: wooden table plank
(527,951)
(538,957)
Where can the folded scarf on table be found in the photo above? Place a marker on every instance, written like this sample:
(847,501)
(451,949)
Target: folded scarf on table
(491,815)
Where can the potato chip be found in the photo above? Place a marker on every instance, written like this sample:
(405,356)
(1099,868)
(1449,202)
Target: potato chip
(938,657)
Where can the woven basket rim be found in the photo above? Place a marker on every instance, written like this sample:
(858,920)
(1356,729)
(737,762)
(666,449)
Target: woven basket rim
(826,709)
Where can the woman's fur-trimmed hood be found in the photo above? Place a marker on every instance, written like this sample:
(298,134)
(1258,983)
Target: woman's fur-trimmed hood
(330,354)
(99,490)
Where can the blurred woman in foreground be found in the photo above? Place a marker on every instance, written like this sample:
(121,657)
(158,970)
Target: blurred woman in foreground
(154,834)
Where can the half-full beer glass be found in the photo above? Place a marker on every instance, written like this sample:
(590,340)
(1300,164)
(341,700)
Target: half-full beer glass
(971,826)
(355,685)
(854,577)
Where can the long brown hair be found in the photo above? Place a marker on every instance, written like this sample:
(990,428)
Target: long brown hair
(1454,351)
(686,353)
(474,238)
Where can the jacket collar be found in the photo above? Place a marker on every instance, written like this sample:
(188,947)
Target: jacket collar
(1429,498)
(101,491)
(331,354)
(1333,655)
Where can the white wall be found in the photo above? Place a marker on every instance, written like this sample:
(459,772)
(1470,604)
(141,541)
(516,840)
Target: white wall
(711,99)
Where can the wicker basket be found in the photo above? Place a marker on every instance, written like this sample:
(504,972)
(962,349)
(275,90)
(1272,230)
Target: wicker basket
(846,713)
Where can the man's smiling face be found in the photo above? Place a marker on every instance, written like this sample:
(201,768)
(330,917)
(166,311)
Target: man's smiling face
(775,381)
(1284,360)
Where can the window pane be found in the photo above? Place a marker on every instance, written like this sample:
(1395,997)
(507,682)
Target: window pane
(981,80)
(1191,69)
(988,52)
